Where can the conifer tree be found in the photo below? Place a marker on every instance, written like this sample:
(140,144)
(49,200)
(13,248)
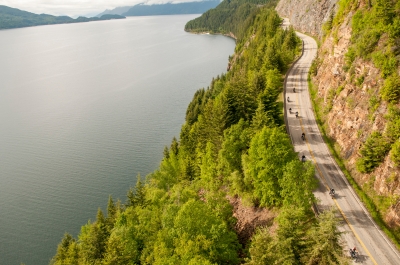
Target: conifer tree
(111,213)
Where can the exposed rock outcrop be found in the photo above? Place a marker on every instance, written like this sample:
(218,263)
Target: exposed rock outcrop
(352,117)
(307,15)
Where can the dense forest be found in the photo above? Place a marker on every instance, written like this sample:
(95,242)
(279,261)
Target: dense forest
(171,8)
(232,144)
(15,18)
(233,16)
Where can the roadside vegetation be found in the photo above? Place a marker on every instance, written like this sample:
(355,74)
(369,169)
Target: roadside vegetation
(233,143)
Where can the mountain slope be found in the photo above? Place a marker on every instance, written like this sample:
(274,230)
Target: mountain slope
(229,18)
(171,8)
(15,18)
(116,11)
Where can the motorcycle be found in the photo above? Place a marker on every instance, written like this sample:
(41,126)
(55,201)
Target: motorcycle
(332,193)
(353,254)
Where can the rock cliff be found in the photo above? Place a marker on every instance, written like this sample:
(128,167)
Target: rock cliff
(307,15)
(348,100)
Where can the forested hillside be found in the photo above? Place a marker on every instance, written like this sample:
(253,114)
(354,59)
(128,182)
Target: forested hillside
(15,18)
(231,17)
(232,144)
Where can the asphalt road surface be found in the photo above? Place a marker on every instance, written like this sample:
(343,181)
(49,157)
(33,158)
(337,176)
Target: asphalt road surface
(360,230)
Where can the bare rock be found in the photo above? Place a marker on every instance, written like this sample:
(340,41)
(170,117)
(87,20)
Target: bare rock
(307,15)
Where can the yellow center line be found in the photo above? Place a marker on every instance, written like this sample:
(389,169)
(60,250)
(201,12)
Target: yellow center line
(327,187)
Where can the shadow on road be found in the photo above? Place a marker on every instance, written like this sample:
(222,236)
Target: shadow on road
(353,216)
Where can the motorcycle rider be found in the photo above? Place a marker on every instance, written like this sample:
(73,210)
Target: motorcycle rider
(353,252)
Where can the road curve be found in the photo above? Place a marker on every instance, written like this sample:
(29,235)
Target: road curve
(360,230)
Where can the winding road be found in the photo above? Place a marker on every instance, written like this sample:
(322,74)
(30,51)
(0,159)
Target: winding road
(359,229)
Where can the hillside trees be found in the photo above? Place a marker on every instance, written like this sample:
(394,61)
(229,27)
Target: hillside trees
(299,240)
(232,143)
(229,16)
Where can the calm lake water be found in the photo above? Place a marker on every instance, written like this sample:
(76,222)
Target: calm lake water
(84,108)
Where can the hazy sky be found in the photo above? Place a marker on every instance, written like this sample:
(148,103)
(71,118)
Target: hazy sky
(76,7)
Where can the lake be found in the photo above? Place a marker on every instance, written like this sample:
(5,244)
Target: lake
(84,108)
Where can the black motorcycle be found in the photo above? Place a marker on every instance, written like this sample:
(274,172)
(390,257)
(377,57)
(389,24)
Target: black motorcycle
(353,254)
(332,193)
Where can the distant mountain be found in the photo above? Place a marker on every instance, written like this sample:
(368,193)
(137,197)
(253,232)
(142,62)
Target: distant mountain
(15,18)
(171,9)
(116,11)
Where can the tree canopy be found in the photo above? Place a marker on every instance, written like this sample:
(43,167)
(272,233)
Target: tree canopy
(233,143)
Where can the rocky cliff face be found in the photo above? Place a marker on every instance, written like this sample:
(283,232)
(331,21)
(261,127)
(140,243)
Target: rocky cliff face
(348,100)
(307,15)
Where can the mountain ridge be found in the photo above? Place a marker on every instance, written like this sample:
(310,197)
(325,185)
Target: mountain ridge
(115,11)
(15,18)
(170,8)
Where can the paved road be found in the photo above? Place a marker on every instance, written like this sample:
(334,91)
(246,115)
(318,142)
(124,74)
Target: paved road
(360,231)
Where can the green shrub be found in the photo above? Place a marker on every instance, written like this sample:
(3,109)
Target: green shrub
(372,153)
(386,62)
(314,67)
(349,58)
(339,89)
(394,29)
(393,125)
(366,42)
(373,103)
(360,80)
(391,88)
(329,100)
(395,153)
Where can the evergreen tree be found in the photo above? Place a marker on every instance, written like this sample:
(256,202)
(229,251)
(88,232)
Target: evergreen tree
(324,245)
(63,250)
(111,213)
(92,239)
(137,196)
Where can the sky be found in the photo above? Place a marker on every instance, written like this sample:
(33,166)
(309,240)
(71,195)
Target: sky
(76,8)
